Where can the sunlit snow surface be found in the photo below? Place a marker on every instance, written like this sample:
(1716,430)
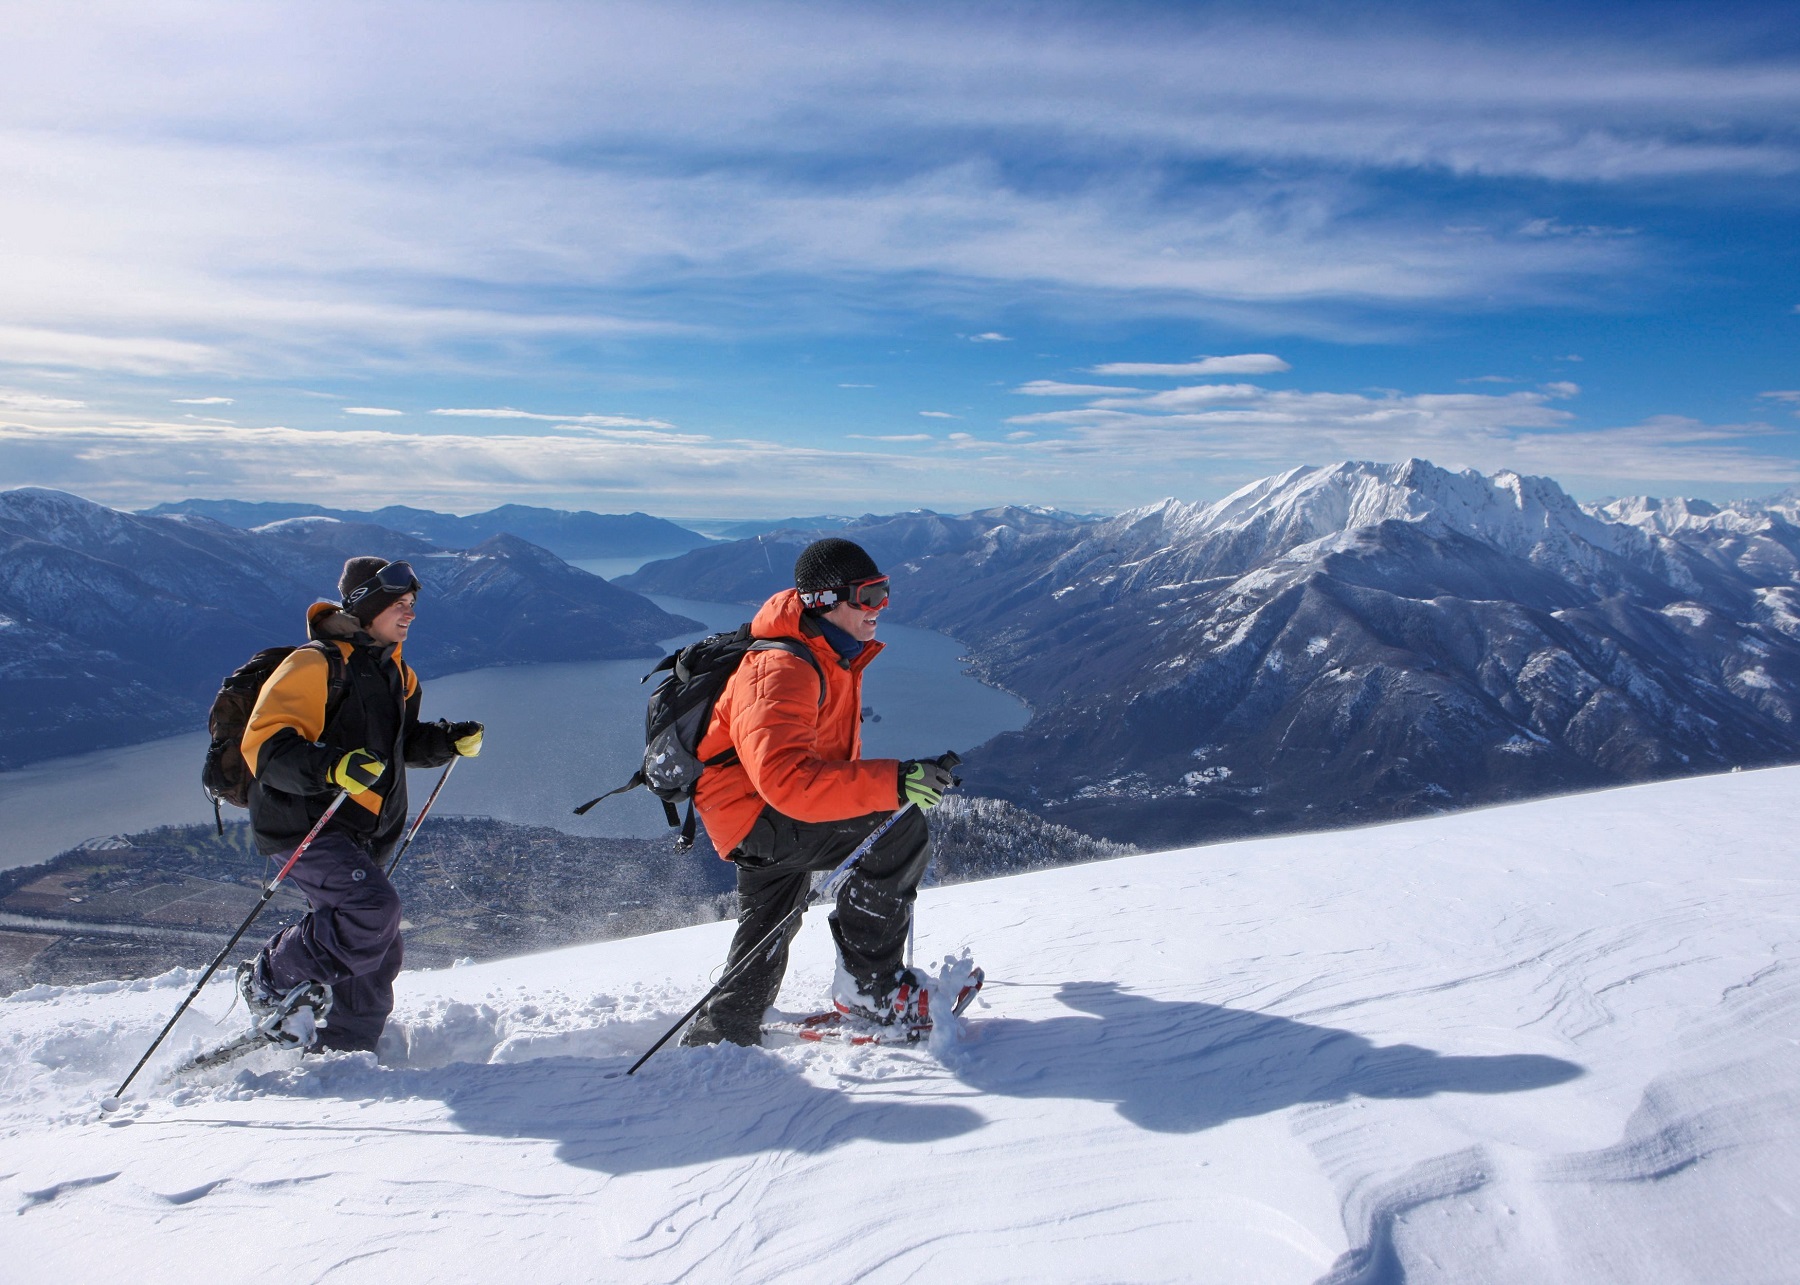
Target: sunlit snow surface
(1551,1042)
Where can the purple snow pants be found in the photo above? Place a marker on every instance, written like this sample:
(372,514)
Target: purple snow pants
(351,940)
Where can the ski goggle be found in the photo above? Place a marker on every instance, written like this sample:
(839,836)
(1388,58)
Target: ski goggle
(870,594)
(395,578)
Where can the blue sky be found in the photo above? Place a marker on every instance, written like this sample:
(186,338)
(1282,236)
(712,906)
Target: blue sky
(726,259)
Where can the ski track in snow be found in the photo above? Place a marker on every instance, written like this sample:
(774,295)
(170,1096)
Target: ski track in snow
(1558,1041)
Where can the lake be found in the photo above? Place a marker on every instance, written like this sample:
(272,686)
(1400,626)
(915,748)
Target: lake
(557,735)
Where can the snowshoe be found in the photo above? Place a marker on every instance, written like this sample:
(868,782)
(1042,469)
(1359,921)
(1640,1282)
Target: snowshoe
(904,1019)
(905,1000)
(290,1020)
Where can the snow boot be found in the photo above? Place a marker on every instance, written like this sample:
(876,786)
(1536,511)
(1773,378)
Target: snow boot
(290,1019)
(901,999)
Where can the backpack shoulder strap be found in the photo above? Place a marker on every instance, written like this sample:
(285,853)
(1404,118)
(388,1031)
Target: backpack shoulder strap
(794,647)
(337,676)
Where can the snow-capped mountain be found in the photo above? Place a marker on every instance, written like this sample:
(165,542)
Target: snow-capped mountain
(1551,1042)
(1361,640)
(115,627)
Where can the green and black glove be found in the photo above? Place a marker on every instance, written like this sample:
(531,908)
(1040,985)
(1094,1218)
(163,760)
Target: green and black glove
(466,737)
(357,771)
(923,782)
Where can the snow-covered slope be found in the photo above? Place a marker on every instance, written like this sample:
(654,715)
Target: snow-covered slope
(1549,1042)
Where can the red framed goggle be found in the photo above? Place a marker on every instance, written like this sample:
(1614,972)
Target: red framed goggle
(870,594)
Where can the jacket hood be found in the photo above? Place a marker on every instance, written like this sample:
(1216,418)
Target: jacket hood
(782,616)
(328,622)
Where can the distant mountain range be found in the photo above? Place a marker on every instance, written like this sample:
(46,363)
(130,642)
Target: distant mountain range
(1331,645)
(117,627)
(566,534)
(1343,644)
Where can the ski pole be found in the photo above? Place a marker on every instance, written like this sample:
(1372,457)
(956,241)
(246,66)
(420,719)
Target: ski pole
(243,928)
(832,882)
(420,819)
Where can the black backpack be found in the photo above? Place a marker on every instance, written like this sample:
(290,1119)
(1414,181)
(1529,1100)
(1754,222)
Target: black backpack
(676,717)
(225,776)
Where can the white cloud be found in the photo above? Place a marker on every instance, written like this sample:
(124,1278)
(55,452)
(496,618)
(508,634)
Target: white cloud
(371,410)
(29,345)
(1050,388)
(938,414)
(142,462)
(891,437)
(1783,394)
(1255,431)
(1250,363)
(990,337)
(14,399)
(1550,227)
(311,211)
(1562,388)
(204,401)
(856,385)
(1188,398)
(576,421)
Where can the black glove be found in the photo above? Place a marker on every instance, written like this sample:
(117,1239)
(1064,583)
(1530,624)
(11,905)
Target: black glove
(923,781)
(465,737)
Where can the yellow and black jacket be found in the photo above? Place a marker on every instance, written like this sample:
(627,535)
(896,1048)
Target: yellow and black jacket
(291,749)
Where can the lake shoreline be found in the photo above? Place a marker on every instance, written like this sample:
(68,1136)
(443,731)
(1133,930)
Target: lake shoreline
(559,733)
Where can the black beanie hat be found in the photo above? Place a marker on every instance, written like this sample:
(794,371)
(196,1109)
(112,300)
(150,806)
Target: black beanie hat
(359,571)
(826,564)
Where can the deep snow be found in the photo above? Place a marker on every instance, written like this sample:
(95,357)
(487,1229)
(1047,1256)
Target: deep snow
(1557,1041)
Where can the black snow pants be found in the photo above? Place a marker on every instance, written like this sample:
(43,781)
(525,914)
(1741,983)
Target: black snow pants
(351,940)
(775,864)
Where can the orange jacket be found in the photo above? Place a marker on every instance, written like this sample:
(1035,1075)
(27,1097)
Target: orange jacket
(794,754)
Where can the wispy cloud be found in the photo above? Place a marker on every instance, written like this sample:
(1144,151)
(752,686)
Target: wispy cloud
(1050,388)
(204,401)
(890,437)
(1262,430)
(584,421)
(990,337)
(15,399)
(1250,363)
(938,414)
(1551,227)
(371,410)
(361,208)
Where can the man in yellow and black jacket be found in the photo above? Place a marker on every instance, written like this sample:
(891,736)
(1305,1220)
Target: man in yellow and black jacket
(342,714)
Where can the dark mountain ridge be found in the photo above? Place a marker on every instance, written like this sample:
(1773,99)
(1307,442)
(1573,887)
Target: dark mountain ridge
(115,627)
(567,534)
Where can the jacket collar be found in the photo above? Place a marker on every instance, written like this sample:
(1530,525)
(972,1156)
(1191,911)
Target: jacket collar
(328,622)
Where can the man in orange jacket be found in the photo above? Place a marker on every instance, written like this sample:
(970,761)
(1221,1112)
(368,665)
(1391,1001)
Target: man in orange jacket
(799,797)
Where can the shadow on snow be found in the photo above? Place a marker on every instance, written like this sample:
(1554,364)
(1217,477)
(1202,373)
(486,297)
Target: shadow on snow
(1171,1067)
(1180,1067)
